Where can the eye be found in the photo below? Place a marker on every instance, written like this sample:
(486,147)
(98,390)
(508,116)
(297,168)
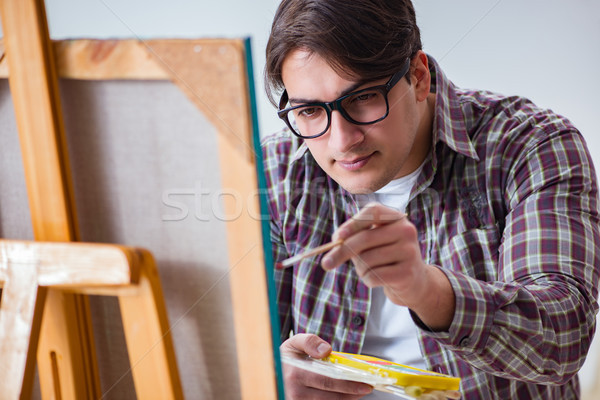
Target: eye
(364,97)
(308,112)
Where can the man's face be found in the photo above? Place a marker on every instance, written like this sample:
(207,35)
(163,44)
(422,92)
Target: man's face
(364,158)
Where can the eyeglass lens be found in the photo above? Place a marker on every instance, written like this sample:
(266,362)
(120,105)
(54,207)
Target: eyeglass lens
(363,107)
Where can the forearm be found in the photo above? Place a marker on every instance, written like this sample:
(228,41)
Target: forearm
(538,332)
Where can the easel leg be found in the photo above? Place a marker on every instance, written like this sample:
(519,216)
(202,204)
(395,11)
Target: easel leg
(149,343)
(20,322)
(65,327)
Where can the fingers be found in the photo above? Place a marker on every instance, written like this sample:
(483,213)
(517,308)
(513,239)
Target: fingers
(369,247)
(372,214)
(302,384)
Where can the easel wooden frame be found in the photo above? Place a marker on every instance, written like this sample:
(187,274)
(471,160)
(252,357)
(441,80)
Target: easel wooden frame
(28,269)
(33,66)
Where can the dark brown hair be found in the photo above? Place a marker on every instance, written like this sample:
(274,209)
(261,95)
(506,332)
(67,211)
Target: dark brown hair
(366,39)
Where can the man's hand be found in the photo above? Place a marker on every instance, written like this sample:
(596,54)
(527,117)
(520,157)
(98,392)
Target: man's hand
(301,384)
(383,245)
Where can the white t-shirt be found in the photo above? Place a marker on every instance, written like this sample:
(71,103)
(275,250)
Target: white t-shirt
(391,333)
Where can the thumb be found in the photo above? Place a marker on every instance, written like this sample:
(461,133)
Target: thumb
(309,344)
(321,350)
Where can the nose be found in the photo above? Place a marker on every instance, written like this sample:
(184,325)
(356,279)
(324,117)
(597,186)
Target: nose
(343,134)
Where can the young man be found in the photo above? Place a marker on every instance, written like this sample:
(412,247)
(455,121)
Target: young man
(470,220)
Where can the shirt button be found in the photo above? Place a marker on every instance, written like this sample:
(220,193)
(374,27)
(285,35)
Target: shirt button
(465,341)
(357,320)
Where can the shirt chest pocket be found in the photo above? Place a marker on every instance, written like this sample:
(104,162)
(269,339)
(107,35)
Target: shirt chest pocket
(473,252)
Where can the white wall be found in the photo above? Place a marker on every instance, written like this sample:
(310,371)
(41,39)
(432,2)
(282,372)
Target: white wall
(540,49)
(547,50)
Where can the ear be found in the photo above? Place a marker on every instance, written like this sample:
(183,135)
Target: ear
(420,76)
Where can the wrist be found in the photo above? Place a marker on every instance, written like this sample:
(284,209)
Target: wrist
(436,305)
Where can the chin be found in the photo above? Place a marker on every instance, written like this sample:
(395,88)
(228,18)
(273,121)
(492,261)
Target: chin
(357,186)
(364,184)
(358,190)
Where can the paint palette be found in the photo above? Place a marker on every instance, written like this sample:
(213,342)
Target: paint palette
(401,380)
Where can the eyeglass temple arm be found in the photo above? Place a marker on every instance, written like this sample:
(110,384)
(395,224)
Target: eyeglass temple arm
(283,100)
(399,75)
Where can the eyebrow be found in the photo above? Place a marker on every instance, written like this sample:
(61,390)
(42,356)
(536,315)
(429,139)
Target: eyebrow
(350,89)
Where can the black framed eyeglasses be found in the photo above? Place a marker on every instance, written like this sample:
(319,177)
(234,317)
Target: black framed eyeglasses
(362,107)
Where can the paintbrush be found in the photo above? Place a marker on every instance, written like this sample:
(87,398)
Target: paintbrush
(312,252)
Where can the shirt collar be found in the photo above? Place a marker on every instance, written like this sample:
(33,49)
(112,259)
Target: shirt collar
(449,120)
(301,150)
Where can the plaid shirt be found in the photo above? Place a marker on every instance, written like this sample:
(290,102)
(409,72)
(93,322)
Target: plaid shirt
(506,205)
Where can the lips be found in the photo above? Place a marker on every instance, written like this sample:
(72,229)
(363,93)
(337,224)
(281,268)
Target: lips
(354,164)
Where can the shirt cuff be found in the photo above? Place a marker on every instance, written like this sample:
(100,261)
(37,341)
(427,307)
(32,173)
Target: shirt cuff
(473,315)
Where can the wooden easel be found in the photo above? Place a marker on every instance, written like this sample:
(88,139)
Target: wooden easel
(29,269)
(66,354)
(34,90)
